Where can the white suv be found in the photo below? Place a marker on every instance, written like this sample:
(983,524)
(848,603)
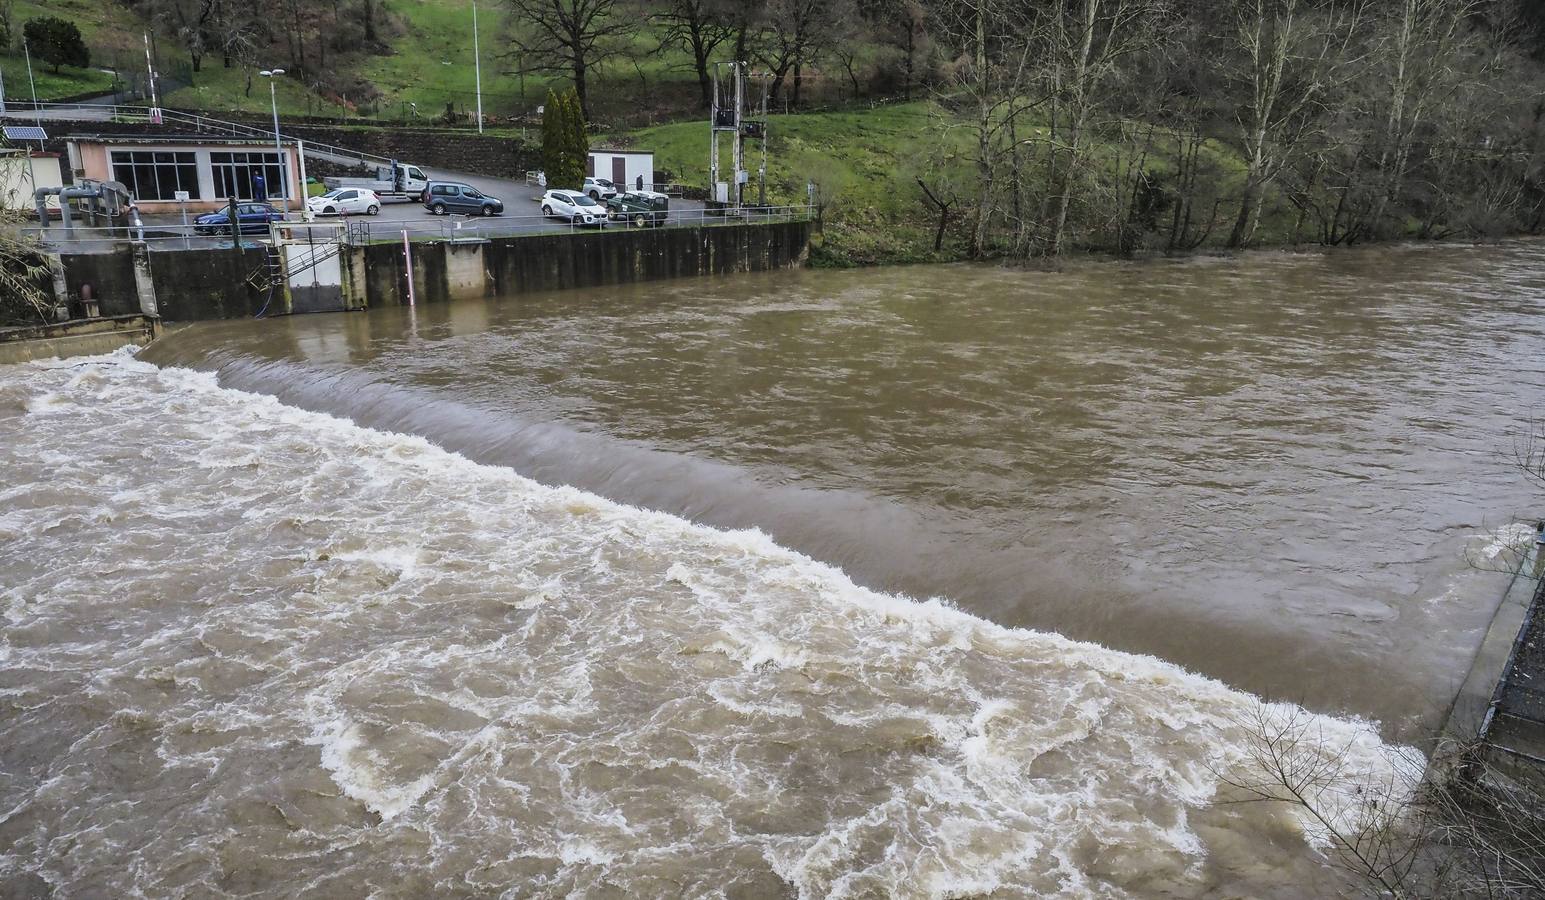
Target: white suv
(576,207)
(600,189)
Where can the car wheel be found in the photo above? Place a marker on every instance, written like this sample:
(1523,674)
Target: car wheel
(373,210)
(329,211)
(488,211)
(547,210)
(438,209)
(595,195)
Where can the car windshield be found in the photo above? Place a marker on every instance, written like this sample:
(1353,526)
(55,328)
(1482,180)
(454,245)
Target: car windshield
(331,195)
(584,200)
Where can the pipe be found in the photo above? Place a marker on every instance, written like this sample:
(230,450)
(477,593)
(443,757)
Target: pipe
(39,201)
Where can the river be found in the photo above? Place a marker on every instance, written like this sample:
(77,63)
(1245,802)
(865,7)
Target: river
(252,597)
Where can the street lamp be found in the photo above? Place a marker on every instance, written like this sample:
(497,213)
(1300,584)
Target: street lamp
(273,99)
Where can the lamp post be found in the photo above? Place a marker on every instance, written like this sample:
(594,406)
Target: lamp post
(477,68)
(273,99)
(37,116)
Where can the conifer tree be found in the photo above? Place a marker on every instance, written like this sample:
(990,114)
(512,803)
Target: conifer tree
(554,138)
(579,140)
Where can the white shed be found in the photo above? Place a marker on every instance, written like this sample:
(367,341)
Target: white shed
(624,167)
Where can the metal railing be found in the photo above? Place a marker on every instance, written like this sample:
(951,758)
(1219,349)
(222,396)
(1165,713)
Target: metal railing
(202,123)
(474,228)
(368,230)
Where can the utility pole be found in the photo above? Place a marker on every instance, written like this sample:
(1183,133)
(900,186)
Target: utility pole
(37,115)
(477,67)
(729,119)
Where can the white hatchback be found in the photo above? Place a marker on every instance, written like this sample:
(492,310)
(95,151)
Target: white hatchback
(345,202)
(575,207)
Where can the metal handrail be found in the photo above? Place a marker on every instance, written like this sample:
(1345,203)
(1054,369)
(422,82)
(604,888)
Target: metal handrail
(365,230)
(208,123)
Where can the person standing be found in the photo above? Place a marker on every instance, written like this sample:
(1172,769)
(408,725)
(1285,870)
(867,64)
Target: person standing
(259,189)
(1539,549)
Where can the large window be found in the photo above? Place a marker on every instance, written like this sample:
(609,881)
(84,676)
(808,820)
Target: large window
(234,172)
(156,174)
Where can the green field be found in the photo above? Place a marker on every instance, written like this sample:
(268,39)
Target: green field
(109,29)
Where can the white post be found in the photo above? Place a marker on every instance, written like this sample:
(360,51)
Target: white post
(2,93)
(150,72)
(300,155)
(477,68)
(407,258)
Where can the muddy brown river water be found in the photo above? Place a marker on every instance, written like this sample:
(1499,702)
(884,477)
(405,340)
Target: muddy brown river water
(285,616)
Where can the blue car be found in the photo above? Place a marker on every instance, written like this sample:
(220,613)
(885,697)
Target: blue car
(253,218)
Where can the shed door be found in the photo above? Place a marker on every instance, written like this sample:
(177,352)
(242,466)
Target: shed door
(590,164)
(620,170)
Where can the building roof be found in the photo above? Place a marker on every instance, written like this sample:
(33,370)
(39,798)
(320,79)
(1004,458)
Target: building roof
(220,139)
(615,150)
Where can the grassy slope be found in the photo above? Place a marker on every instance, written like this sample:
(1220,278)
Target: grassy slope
(432,62)
(867,162)
(106,27)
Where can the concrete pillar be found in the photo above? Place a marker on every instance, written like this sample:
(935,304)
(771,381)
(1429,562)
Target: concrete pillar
(143,284)
(465,273)
(61,287)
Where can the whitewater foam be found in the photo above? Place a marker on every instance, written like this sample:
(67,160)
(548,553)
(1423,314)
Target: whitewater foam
(381,669)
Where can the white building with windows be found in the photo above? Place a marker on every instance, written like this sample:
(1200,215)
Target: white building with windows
(212,170)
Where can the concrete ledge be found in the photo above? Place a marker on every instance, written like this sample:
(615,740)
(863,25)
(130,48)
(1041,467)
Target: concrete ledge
(77,337)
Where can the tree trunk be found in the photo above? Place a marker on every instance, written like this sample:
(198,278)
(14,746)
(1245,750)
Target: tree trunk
(984,170)
(579,87)
(1244,224)
(700,62)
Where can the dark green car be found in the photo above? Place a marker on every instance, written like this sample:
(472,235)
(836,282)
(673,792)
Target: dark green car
(640,209)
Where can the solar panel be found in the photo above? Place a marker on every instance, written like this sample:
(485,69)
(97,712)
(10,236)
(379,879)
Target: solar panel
(25,133)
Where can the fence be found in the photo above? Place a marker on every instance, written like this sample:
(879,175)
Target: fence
(200,123)
(369,230)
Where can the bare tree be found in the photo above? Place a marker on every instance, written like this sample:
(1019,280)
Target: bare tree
(797,32)
(1286,55)
(1086,42)
(571,37)
(699,27)
(902,27)
(1457,827)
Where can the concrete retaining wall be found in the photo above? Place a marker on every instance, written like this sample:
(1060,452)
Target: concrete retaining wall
(548,262)
(186,285)
(179,285)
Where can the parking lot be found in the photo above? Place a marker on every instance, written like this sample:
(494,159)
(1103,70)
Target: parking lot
(522,215)
(522,211)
